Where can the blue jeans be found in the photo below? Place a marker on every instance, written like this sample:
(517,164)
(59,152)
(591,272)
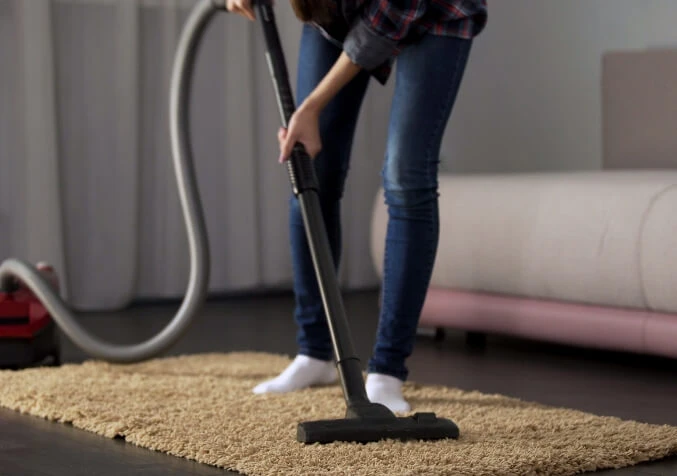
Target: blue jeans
(427,78)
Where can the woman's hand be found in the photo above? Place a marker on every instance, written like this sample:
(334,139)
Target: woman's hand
(241,7)
(304,127)
(304,124)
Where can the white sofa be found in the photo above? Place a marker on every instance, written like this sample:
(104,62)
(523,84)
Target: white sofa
(585,258)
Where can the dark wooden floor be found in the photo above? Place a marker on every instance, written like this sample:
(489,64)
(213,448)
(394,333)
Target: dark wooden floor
(626,386)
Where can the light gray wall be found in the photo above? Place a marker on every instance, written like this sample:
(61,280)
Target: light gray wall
(531,97)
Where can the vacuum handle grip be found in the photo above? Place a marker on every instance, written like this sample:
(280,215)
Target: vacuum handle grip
(299,166)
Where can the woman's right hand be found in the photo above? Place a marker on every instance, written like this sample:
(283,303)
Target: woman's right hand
(242,7)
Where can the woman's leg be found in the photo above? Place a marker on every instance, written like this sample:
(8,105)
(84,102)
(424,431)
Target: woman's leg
(428,77)
(337,127)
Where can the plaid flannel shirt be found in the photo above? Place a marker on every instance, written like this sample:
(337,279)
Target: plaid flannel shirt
(373,32)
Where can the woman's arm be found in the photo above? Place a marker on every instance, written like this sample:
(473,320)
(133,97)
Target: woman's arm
(343,71)
(304,124)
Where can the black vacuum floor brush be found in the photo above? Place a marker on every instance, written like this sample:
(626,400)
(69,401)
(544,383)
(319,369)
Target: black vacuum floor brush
(364,421)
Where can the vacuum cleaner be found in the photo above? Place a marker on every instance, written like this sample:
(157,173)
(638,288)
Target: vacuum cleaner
(364,421)
(27,331)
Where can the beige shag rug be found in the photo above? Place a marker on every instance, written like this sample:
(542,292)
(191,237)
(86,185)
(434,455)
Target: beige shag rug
(201,407)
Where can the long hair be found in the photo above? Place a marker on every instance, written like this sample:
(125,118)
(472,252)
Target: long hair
(319,11)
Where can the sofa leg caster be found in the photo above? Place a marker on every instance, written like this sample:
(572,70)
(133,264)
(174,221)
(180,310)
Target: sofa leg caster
(477,340)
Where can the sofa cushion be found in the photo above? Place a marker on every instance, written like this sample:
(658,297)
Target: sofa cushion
(594,237)
(639,99)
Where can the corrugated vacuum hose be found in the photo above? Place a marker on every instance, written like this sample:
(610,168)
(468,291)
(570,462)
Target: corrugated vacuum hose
(16,269)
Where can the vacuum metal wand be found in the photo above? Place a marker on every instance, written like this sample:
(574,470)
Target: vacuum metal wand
(305,187)
(16,269)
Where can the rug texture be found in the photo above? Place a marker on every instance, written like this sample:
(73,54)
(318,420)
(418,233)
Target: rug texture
(201,407)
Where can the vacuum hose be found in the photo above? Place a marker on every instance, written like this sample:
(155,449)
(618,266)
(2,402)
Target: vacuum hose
(29,276)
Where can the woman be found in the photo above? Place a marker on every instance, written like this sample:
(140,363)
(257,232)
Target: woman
(344,44)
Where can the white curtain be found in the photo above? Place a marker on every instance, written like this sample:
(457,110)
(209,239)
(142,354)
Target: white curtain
(86,181)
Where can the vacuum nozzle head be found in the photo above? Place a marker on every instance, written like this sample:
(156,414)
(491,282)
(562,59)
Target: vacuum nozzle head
(420,426)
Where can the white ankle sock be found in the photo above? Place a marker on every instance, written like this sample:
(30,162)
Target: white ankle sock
(303,372)
(387,391)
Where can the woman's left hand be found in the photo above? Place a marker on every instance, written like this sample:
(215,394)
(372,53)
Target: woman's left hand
(304,127)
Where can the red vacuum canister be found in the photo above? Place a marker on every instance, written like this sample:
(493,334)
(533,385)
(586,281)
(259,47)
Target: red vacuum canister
(28,334)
